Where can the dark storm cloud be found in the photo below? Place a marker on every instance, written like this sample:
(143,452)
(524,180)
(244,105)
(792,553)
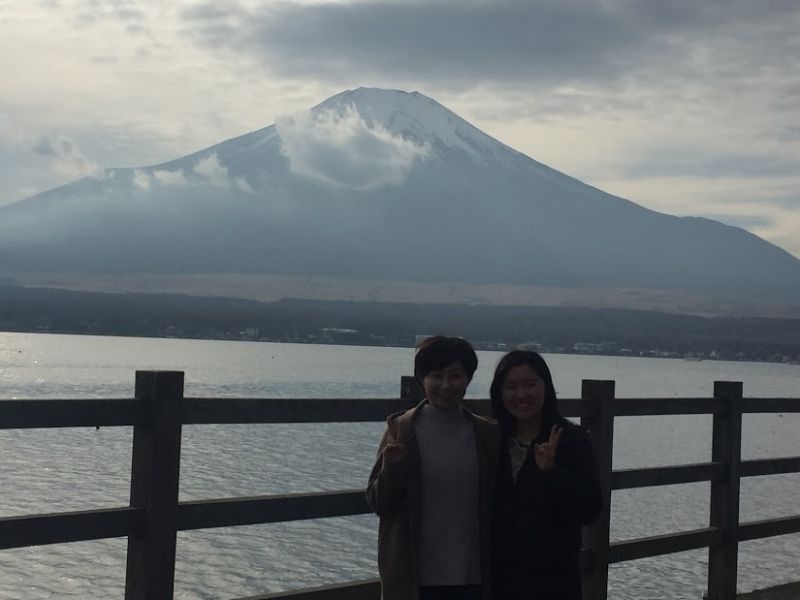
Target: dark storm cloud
(463,42)
(442,40)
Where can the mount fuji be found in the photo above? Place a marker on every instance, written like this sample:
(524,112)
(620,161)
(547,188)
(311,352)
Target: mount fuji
(381,185)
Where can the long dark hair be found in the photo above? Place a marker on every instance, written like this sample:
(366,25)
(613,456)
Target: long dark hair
(516,358)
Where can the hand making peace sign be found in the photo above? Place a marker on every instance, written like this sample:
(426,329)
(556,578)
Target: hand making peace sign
(394,452)
(545,453)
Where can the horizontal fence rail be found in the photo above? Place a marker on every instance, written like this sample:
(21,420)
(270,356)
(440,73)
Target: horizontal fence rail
(770,466)
(60,528)
(270,509)
(770,405)
(663,544)
(754,530)
(154,517)
(653,476)
(37,414)
(357,590)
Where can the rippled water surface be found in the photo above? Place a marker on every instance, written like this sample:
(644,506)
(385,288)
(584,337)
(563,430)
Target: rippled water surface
(74,469)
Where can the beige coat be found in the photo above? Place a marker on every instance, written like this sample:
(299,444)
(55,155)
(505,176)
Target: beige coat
(394,494)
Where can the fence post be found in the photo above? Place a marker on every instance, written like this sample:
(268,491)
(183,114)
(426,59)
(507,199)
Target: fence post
(726,448)
(600,425)
(150,573)
(411,389)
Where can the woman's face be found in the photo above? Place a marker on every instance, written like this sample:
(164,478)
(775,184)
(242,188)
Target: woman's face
(445,388)
(523,393)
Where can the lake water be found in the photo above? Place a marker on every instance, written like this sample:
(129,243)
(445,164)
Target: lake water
(75,469)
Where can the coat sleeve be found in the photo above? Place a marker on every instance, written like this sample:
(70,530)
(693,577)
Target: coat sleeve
(386,490)
(573,487)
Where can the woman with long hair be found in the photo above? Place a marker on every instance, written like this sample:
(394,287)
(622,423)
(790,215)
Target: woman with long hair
(547,486)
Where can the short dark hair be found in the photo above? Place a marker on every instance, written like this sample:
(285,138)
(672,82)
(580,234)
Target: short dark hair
(517,358)
(439,351)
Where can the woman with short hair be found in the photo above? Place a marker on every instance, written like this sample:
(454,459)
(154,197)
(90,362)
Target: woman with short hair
(432,485)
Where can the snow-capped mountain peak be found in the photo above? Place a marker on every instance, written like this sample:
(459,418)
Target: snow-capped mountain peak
(413,115)
(381,184)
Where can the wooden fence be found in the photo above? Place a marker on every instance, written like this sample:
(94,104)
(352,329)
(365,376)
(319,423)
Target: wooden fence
(159,410)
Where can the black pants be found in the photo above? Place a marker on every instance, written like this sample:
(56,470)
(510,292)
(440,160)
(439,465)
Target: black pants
(450,592)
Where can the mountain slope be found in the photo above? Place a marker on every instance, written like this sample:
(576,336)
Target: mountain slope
(379,184)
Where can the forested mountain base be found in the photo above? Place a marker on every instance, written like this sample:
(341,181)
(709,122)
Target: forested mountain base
(549,329)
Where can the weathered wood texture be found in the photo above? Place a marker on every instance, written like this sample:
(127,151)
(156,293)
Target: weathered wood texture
(636,478)
(726,448)
(270,509)
(600,425)
(60,528)
(753,530)
(663,544)
(787,591)
(201,411)
(356,590)
(770,466)
(35,414)
(771,405)
(155,469)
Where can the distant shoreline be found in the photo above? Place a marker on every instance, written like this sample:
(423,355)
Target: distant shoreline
(480,346)
(548,329)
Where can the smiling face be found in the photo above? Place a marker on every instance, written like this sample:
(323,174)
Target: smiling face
(445,388)
(523,393)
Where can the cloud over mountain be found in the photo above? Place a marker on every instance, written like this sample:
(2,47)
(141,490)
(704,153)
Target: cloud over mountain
(66,158)
(609,91)
(437,200)
(206,172)
(341,149)
(217,175)
(175,178)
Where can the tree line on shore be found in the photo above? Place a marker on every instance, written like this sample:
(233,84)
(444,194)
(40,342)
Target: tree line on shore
(549,329)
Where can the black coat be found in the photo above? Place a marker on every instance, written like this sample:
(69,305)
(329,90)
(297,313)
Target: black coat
(538,519)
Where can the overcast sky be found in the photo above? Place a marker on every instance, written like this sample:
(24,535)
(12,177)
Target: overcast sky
(684,106)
